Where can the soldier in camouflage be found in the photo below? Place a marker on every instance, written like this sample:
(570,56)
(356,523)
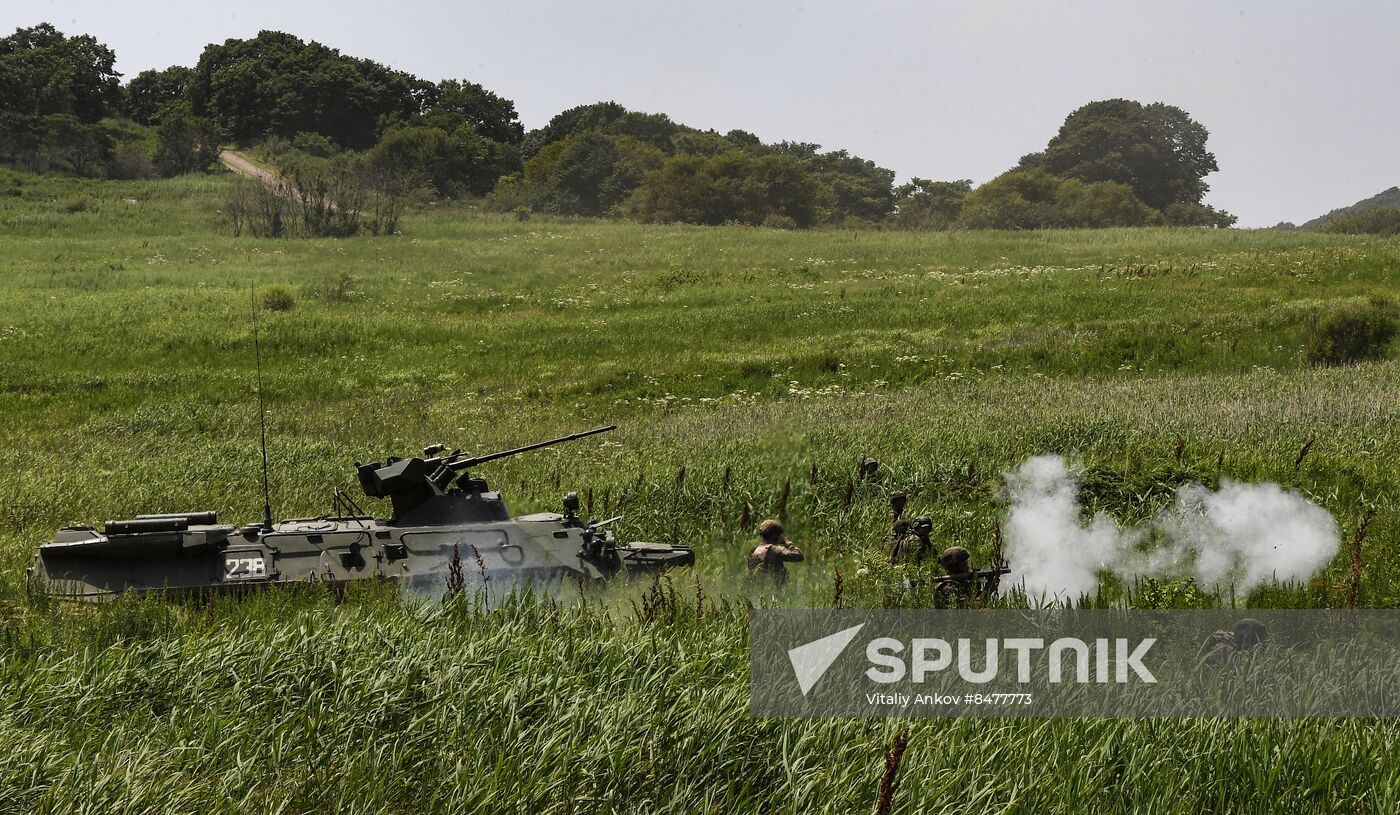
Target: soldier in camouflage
(898,500)
(898,540)
(923,543)
(1224,647)
(912,541)
(960,583)
(767,560)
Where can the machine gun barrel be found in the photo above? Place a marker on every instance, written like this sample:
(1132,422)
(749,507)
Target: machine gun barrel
(465,463)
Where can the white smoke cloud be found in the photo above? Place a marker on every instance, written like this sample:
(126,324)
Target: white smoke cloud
(1243,535)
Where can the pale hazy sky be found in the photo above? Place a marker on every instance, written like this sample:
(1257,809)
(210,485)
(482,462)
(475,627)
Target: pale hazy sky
(1300,97)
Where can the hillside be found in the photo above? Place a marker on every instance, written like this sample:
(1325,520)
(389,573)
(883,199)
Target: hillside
(1388,198)
(382,134)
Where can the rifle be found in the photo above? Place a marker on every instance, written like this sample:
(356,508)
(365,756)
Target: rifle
(980,574)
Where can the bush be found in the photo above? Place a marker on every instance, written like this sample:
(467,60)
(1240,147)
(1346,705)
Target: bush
(1101,204)
(733,187)
(777,220)
(1350,334)
(1034,199)
(1020,199)
(337,288)
(1187,214)
(262,209)
(131,163)
(315,144)
(512,194)
(274,150)
(276,297)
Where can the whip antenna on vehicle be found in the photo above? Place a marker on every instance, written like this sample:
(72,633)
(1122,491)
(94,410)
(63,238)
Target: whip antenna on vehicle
(262,412)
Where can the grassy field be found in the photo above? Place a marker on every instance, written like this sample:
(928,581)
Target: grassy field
(780,358)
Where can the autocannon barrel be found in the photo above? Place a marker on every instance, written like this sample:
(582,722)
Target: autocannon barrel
(464,463)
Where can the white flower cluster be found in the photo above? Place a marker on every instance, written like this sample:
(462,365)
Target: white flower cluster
(456,281)
(670,401)
(797,391)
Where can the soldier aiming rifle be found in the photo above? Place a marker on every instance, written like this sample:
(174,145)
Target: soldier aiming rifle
(961,582)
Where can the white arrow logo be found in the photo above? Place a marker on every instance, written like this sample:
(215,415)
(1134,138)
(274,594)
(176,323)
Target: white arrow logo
(810,661)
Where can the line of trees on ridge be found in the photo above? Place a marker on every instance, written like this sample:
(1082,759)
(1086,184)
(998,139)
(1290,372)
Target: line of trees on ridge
(327,115)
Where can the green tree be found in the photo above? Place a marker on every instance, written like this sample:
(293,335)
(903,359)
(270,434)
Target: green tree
(589,173)
(635,159)
(72,145)
(850,188)
(702,143)
(452,164)
(20,135)
(151,92)
(569,173)
(742,139)
(185,143)
(455,103)
(1157,150)
(1020,199)
(487,160)
(428,155)
(572,122)
(675,193)
(797,149)
(655,129)
(737,186)
(276,84)
(925,204)
(43,72)
(574,166)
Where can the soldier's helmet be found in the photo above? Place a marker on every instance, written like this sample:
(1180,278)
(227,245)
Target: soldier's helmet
(1250,632)
(923,523)
(955,559)
(771,531)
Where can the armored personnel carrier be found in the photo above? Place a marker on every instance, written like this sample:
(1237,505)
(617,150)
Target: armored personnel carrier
(441,515)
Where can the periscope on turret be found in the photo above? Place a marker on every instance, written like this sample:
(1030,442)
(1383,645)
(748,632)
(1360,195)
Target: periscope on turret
(438,508)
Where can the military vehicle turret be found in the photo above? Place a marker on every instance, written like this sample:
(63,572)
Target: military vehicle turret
(439,511)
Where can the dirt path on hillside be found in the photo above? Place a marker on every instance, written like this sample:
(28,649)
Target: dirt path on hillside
(242,165)
(246,167)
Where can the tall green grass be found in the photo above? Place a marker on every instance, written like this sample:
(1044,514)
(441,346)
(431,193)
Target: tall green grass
(752,358)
